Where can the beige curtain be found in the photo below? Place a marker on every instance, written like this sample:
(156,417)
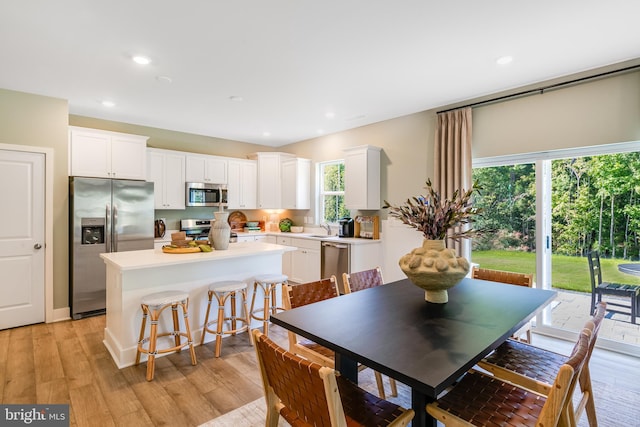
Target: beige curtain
(452,160)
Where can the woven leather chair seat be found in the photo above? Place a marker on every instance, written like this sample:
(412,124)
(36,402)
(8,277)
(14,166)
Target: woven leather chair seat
(306,394)
(527,360)
(313,346)
(479,399)
(511,406)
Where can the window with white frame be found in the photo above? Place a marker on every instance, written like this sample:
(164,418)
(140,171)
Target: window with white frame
(330,204)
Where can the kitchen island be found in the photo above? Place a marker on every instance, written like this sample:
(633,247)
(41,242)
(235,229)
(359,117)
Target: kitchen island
(131,275)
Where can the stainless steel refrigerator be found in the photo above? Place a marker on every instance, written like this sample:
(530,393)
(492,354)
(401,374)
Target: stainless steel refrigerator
(105,215)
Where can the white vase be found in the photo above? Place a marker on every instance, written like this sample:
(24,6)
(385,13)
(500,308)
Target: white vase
(220,231)
(434,268)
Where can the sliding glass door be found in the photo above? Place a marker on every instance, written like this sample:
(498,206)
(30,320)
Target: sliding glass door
(545,211)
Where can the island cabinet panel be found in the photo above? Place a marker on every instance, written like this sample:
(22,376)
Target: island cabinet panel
(132,275)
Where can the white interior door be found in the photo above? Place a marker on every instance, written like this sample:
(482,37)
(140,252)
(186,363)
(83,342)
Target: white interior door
(22,237)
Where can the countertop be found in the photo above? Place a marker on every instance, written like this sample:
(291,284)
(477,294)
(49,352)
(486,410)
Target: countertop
(150,258)
(315,236)
(309,236)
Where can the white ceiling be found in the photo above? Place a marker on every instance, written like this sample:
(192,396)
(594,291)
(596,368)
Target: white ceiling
(293,61)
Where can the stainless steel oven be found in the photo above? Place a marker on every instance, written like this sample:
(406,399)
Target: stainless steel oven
(202,194)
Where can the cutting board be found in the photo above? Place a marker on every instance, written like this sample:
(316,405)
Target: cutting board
(168,250)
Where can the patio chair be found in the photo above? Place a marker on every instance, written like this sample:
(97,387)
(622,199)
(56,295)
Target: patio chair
(511,278)
(306,393)
(619,291)
(534,368)
(479,399)
(358,281)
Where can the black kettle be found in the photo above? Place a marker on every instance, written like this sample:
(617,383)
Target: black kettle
(159,228)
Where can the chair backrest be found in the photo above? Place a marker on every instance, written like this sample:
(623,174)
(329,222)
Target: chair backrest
(360,280)
(561,392)
(509,277)
(594,269)
(308,293)
(301,390)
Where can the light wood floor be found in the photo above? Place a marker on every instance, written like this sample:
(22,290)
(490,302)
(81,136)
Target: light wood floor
(66,362)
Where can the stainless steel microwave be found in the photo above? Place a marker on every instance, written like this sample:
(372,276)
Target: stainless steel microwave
(202,194)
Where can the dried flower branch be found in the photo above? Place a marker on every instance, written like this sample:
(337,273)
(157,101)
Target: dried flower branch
(436,218)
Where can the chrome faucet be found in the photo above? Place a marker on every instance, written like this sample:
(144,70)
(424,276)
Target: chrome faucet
(326,227)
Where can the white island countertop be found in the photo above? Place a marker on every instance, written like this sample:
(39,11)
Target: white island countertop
(152,258)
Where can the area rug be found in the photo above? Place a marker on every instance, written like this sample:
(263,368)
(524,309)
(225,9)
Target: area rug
(614,407)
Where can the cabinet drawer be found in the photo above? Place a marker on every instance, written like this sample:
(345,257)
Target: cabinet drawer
(306,243)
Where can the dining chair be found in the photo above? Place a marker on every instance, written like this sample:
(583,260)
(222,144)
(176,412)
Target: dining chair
(480,399)
(511,278)
(534,368)
(306,393)
(600,289)
(303,294)
(353,282)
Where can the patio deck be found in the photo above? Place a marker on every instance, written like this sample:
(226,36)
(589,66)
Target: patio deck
(570,311)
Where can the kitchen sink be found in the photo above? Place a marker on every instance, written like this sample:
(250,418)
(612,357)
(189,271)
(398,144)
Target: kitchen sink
(321,236)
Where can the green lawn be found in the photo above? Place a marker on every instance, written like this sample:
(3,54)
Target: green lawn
(570,273)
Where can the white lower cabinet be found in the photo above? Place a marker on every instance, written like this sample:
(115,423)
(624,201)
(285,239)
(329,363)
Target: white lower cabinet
(305,261)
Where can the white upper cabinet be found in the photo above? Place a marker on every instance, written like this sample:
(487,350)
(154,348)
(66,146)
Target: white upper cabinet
(269,179)
(104,154)
(207,169)
(242,186)
(362,177)
(296,183)
(166,169)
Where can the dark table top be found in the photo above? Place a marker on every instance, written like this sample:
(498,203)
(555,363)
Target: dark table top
(427,346)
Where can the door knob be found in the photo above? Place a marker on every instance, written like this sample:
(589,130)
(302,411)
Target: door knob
(37,246)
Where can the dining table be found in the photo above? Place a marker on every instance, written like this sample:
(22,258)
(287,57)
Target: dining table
(393,330)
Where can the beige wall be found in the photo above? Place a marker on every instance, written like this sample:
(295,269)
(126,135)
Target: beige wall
(599,112)
(40,121)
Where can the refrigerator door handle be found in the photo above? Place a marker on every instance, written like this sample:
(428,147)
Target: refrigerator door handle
(114,232)
(107,240)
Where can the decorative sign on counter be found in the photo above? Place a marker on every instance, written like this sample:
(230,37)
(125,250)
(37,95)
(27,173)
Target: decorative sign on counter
(367,227)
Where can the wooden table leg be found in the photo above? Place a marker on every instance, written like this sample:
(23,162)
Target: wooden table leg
(347,367)
(419,405)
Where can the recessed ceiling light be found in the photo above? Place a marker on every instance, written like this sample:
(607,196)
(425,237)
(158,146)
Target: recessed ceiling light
(108,104)
(142,60)
(236,98)
(320,131)
(504,60)
(266,133)
(330,115)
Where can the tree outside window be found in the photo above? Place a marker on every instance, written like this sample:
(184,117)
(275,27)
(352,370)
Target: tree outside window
(331,195)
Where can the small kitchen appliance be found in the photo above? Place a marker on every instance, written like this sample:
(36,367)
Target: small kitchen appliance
(204,194)
(345,227)
(159,228)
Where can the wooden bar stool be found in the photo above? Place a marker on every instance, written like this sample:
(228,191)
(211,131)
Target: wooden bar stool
(268,283)
(152,306)
(222,292)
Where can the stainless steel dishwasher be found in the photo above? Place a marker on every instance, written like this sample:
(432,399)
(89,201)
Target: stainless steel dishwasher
(335,259)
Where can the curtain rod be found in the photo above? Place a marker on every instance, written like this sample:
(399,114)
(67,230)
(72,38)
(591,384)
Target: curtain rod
(541,90)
